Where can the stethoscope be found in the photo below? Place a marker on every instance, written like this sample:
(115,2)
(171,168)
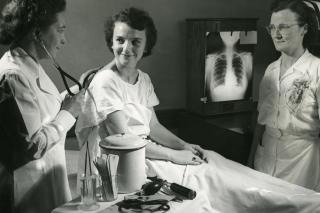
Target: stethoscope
(63,74)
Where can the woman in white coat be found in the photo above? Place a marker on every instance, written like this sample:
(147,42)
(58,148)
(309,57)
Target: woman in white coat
(288,123)
(30,27)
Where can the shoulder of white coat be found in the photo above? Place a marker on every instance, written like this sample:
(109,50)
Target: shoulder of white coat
(8,64)
(11,71)
(315,64)
(315,60)
(269,72)
(272,66)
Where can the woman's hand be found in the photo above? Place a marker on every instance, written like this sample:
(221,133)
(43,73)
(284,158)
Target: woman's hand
(73,104)
(196,150)
(185,157)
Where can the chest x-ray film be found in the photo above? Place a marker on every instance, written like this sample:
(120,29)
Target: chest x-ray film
(228,65)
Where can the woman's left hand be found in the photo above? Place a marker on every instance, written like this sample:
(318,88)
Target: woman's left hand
(197,150)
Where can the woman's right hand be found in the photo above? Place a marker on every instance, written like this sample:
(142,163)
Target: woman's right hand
(185,157)
(73,104)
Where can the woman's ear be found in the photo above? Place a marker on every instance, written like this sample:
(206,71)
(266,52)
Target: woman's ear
(305,29)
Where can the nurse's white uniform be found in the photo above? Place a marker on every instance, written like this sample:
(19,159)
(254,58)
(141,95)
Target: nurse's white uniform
(289,107)
(107,93)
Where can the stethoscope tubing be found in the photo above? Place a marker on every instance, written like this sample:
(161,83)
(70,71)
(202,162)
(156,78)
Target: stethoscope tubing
(61,71)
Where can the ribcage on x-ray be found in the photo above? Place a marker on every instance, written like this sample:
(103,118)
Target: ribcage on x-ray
(237,66)
(227,75)
(220,67)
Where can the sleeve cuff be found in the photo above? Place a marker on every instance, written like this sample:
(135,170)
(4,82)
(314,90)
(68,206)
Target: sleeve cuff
(65,121)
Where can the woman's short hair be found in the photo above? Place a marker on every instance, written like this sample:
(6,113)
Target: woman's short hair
(305,14)
(19,17)
(136,19)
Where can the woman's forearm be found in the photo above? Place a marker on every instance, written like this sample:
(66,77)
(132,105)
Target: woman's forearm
(155,151)
(257,138)
(163,136)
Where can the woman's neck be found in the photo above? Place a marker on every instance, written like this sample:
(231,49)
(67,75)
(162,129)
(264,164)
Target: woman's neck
(30,48)
(128,74)
(289,59)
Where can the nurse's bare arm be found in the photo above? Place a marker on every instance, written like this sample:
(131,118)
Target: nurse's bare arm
(117,124)
(163,136)
(182,152)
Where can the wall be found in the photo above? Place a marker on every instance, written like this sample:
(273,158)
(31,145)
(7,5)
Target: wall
(86,47)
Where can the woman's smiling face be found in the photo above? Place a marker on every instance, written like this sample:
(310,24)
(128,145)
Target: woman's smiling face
(128,45)
(54,37)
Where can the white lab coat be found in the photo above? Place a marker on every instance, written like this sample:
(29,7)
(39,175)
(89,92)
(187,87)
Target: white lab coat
(41,184)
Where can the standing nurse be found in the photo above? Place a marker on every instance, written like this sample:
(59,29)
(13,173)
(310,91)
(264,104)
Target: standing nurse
(288,121)
(29,26)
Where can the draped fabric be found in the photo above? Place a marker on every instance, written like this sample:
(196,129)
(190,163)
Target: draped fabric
(232,187)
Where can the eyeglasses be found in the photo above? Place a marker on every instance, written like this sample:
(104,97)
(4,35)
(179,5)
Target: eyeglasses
(282,28)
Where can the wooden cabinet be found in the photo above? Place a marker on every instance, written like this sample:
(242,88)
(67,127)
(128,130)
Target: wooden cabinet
(229,135)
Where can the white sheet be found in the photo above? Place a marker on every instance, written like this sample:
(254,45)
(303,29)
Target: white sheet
(232,187)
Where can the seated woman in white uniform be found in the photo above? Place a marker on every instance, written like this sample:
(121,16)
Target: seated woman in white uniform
(120,99)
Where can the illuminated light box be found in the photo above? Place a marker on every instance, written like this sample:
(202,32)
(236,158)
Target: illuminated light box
(220,65)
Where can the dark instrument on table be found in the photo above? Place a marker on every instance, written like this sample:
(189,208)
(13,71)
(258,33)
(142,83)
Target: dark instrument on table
(157,183)
(138,204)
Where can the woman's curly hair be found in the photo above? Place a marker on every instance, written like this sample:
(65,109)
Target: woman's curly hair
(136,19)
(19,17)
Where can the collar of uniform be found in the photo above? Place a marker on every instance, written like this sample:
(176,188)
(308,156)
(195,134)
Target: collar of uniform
(28,65)
(299,65)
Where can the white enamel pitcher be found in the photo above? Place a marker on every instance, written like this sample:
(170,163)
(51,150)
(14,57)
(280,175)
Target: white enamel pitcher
(131,173)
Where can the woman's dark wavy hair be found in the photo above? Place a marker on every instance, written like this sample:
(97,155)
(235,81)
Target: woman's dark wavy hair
(19,17)
(305,14)
(136,19)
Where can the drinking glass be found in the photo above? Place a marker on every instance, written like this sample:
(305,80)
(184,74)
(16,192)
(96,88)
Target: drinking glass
(88,192)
